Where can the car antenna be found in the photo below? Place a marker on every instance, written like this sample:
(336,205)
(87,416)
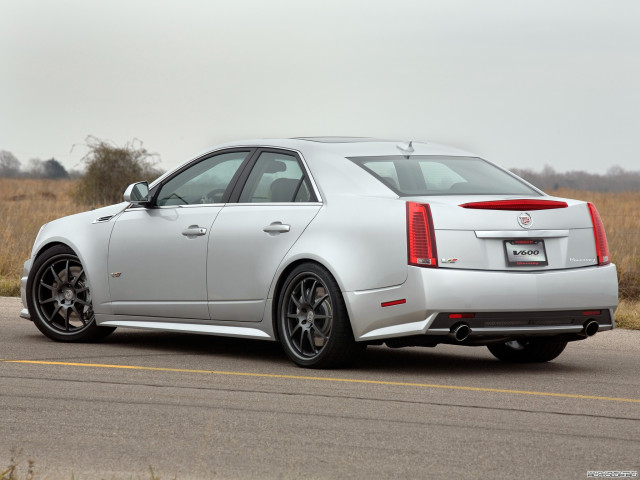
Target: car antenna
(406,148)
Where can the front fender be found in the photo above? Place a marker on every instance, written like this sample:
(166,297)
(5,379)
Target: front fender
(90,241)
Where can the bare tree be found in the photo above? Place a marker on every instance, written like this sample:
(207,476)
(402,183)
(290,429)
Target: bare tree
(9,164)
(35,168)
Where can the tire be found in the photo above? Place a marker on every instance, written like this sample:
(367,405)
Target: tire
(59,298)
(529,351)
(313,323)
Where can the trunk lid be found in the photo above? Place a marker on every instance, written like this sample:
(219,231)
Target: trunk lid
(522,237)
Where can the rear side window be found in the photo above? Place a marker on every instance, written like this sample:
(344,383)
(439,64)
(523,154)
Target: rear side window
(276,178)
(434,175)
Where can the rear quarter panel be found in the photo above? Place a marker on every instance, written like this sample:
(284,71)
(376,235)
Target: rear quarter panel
(361,240)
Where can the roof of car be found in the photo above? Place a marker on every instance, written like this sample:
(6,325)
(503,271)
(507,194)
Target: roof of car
(351,146)
(340,139)
(324,151)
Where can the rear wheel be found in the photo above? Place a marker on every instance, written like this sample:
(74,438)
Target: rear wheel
(313,323)
(59,298)
(528,351)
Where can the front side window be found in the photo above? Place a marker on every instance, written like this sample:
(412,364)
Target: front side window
(203,183)
(276,177)
(434,175)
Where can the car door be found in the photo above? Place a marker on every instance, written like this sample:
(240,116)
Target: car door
(158,255)
(271,207)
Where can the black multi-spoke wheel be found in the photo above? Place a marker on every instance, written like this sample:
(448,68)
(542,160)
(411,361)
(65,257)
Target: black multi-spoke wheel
(312,319)
(528,351)
(59,297)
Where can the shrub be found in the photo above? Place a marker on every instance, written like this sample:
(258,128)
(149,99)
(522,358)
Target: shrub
(110,169)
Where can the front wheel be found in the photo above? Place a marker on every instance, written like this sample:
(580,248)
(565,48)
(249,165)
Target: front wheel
(528,351)
(313,323)
(59,298)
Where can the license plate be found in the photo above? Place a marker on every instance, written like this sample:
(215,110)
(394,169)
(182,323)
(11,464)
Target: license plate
(525,253)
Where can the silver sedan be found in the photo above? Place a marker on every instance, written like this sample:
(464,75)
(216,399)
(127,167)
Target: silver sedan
(327,245)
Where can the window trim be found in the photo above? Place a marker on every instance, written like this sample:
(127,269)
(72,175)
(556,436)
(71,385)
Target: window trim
(225,198)
(306,175)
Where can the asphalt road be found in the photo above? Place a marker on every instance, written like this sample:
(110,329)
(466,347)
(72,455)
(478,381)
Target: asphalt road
(205,407)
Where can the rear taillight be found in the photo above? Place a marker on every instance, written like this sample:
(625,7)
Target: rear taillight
(602,247)
(520,205)
(421,238)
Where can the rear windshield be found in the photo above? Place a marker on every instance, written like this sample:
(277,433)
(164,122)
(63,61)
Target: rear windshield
(433,175)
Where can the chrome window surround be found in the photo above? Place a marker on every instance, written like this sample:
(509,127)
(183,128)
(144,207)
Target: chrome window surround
(199,158)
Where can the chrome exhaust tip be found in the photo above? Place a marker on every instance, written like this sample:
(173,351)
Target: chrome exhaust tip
(590,328)
(459,332)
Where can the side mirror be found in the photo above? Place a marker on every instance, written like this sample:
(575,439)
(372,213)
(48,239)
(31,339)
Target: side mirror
(137,193)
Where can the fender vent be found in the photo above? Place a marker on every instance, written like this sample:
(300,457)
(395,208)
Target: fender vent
(103,219)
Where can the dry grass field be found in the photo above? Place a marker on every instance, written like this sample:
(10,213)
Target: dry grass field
(26,204)
(620,214)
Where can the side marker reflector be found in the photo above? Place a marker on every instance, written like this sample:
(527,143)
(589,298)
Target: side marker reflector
(394,302)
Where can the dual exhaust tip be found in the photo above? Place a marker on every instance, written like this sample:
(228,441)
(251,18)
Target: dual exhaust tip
(590,328)
(461,331)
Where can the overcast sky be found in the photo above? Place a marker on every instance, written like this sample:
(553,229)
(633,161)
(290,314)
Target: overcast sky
(521,83)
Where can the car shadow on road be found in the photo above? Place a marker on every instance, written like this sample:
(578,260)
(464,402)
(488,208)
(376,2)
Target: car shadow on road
(446,360)
(170,343)
(442,360)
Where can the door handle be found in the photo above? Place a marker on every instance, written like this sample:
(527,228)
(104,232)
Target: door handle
(276,227)
(194,231)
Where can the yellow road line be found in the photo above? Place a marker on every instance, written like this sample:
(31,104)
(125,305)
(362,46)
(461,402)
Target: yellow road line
(329,379)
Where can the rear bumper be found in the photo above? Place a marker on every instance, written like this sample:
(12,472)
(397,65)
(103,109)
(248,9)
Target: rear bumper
(430,292)
(491,325)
